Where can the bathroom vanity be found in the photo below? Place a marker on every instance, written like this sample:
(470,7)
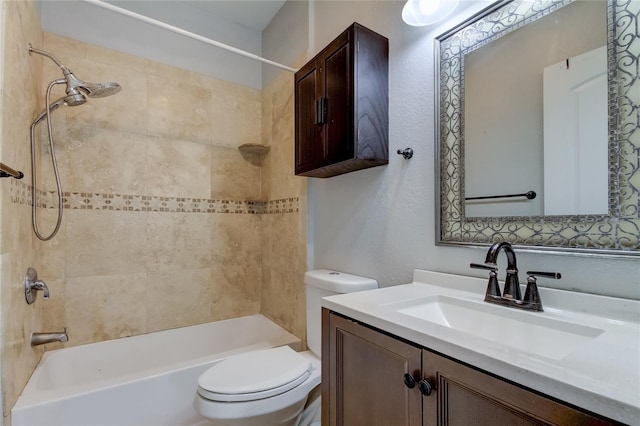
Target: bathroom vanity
(433,352)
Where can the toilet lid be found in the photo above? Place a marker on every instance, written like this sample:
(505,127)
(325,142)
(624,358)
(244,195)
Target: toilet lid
(254,375)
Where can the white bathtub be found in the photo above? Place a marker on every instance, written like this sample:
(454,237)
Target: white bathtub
(137,381)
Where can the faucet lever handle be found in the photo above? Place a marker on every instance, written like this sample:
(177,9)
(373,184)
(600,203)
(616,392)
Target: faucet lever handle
(486,266)
(33,284)
(553,275)
(531,294)
(493,289)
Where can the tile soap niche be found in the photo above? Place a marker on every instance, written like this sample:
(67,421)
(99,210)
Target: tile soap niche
(254,152)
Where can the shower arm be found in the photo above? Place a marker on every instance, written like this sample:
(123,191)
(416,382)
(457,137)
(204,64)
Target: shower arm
(48,55)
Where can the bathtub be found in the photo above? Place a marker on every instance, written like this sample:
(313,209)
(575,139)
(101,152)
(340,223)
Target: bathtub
(136,381)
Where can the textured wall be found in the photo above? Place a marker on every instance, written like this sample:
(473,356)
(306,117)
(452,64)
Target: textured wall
(381,222)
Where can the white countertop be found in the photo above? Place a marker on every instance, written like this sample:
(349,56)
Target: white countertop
(601,375)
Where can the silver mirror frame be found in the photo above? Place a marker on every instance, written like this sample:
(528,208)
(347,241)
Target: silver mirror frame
(614,234)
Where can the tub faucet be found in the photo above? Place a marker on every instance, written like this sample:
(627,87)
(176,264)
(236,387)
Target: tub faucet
(511,295)
(49,337)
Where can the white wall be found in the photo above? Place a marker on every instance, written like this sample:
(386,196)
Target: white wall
(288,46)
(379,222)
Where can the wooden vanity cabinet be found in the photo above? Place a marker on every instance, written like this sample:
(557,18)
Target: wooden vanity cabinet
(363,383)
(341,106)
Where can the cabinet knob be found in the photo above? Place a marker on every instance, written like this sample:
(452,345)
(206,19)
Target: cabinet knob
(425,387)
(409,381)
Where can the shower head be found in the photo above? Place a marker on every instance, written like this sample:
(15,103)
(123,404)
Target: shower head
(92,90)
(75,86)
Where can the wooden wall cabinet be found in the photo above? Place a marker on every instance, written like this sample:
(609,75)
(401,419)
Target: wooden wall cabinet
(372,378)
(342,106)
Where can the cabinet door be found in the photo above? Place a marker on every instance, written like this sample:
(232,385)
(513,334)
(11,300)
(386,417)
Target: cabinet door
(464,396)
(308,132)
(366,377)
(338,91)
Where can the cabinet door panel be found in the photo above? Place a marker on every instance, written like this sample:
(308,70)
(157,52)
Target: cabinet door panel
(367,370)
(464,396)
(307,146)
(338,90)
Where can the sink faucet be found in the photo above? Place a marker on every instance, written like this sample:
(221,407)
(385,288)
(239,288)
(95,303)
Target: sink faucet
(49,337)
(511,283)
(511,295)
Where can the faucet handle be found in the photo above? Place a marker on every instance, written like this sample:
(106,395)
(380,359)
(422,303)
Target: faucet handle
(486,266)
(531,294)
(493,289)
(32,284)
(553,275)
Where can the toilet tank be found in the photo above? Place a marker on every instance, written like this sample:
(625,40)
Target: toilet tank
(321,283)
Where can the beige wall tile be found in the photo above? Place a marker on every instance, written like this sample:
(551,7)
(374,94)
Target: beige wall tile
(179,110)
(234,176)
(53,253)
(126,111)
(284,264)
(20,75)
(178,241)
(284,236)
(236,264)
(178,168)
(178,298)
(100,160)
(53,310)
(105,307)
(235,115)
(105,242)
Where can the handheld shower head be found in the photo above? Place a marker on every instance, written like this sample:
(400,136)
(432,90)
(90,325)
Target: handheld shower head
(69,100)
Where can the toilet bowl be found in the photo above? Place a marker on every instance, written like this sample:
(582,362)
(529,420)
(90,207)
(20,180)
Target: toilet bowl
(264,387)
(275,387)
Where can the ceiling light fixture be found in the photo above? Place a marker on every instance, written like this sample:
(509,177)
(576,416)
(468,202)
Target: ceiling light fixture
(419,13)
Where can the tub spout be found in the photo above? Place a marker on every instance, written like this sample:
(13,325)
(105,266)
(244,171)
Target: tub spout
(50,337)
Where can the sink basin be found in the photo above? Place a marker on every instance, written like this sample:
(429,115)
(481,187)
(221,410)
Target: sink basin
(527,332)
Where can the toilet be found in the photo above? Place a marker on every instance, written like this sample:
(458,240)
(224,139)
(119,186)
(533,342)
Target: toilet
(276,386)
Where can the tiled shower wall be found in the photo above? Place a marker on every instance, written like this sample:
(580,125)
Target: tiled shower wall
(285,235)
(20,77)
(167,223)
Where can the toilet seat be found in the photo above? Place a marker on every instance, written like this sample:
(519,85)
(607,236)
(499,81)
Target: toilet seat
(254,375)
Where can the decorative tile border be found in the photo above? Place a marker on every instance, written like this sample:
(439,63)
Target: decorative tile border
(21,194)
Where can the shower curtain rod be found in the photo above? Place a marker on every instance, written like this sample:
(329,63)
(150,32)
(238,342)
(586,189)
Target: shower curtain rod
(185,33)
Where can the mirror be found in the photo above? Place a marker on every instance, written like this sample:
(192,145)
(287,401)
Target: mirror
(506,128)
